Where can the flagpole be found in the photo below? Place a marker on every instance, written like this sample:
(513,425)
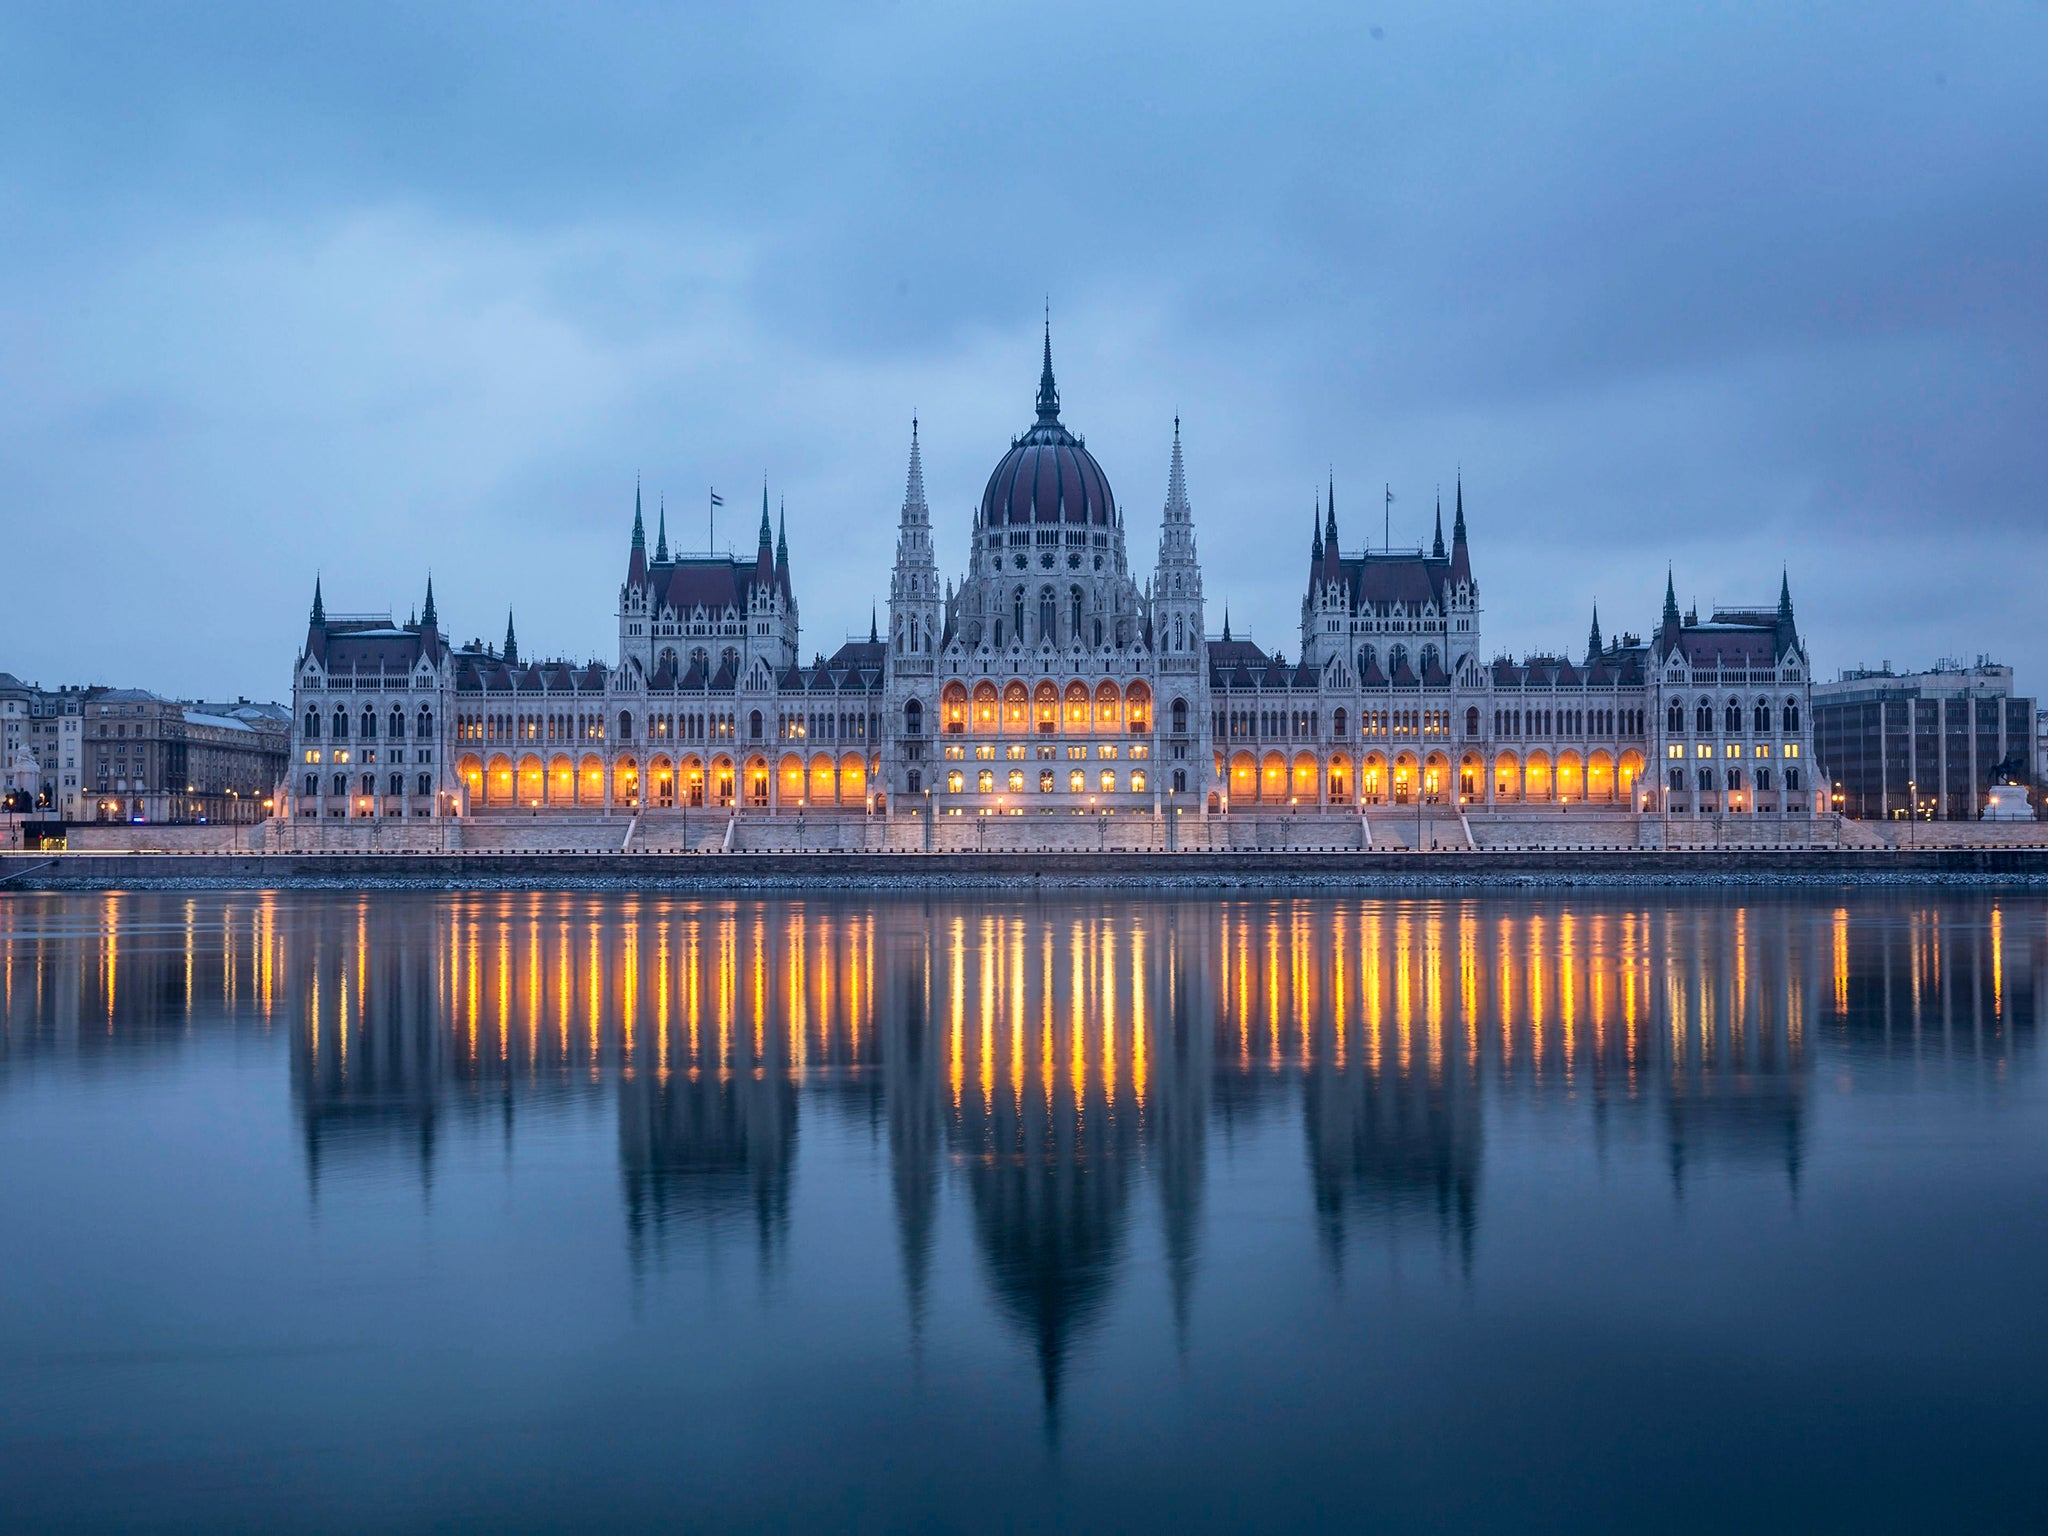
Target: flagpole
(711,521)
(1387,522)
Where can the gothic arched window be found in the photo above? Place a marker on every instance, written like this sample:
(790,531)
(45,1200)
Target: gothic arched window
(1429,657)
(1074,614)
(1366,657)
(396,730)
(913,718)
(1703,718)
(1733,716)
(424,726)
(369,723)
(1180,717)
(340,723)
(312,725)
(1017,612)
(1791,719)
(1048,615)
(1674,718)
(1763,721)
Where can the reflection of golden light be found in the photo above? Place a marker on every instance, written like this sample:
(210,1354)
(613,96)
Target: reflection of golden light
(1077,1050)
(956,1009)
(1140,1024)
(1997,962)
(989,954)
(1841,960)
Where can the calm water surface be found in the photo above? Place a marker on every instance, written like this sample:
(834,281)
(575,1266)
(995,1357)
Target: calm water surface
(567,1211)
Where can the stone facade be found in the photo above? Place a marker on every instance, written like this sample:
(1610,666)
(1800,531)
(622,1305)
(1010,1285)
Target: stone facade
(1053,681)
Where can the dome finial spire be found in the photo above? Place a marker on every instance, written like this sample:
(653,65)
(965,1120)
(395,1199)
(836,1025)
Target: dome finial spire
(1048,392)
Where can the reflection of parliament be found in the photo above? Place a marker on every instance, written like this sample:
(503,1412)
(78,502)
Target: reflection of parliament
(1069,1079)
(1053,681)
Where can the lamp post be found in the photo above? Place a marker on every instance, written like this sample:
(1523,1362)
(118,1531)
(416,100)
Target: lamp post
(1912,811)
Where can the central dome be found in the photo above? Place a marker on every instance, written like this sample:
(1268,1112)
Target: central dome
(1048,476)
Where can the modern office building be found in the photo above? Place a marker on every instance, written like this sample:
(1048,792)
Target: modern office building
(1933,741)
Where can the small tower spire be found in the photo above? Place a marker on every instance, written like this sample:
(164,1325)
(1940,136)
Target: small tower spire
(428,618)
(1784,597)
(1330,527)
(639,527)
(511,642)
(661,539)
(874,625)
(319,608)
(1461,556)
(1315,528)
(1048,392)
(913,490)
(1226,623)
(1436,550)
(782,547)
(767,540)
(1594,644)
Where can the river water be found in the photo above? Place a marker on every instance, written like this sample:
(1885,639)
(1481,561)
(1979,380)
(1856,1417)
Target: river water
(541,1211)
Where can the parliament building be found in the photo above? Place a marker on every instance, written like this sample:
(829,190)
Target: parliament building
(1053,678)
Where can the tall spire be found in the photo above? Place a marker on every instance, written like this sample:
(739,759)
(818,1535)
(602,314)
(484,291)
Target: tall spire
(1436,550)
(428,618)
(1315,528)
(1177,509)
(1461,556)
(1226,622)
(1594,644)
(1784,597)
(782,547)
(1048,392)
(319,608)
(636,559)
(1330,528)
(661,539)
(767,540)
(913,490)
(639,527)
(511,642)
(1670,620)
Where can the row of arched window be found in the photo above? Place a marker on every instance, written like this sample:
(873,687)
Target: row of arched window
(366,726)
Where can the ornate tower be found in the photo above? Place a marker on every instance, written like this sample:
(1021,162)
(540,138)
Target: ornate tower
(915,604)
(1180,657)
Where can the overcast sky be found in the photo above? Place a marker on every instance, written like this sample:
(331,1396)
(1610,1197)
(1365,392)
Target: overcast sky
(365,291)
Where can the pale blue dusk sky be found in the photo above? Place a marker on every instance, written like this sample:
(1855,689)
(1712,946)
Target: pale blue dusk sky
(372,289)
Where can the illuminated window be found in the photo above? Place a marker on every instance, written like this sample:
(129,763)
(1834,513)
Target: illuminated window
(1792,750)
(1141,751)
(1734,749)
(1045,781)
(985,781)
(1108,754)
(985,754)
(1763,749)
(1077,782)
(1703,750)
(1109,781)
(955,782)
(955,754)
(1075,754)
(1137,781)
(1674,750)
(1016,781)
(1014,754)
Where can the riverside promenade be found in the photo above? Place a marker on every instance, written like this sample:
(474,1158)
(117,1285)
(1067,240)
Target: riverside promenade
(856,870)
